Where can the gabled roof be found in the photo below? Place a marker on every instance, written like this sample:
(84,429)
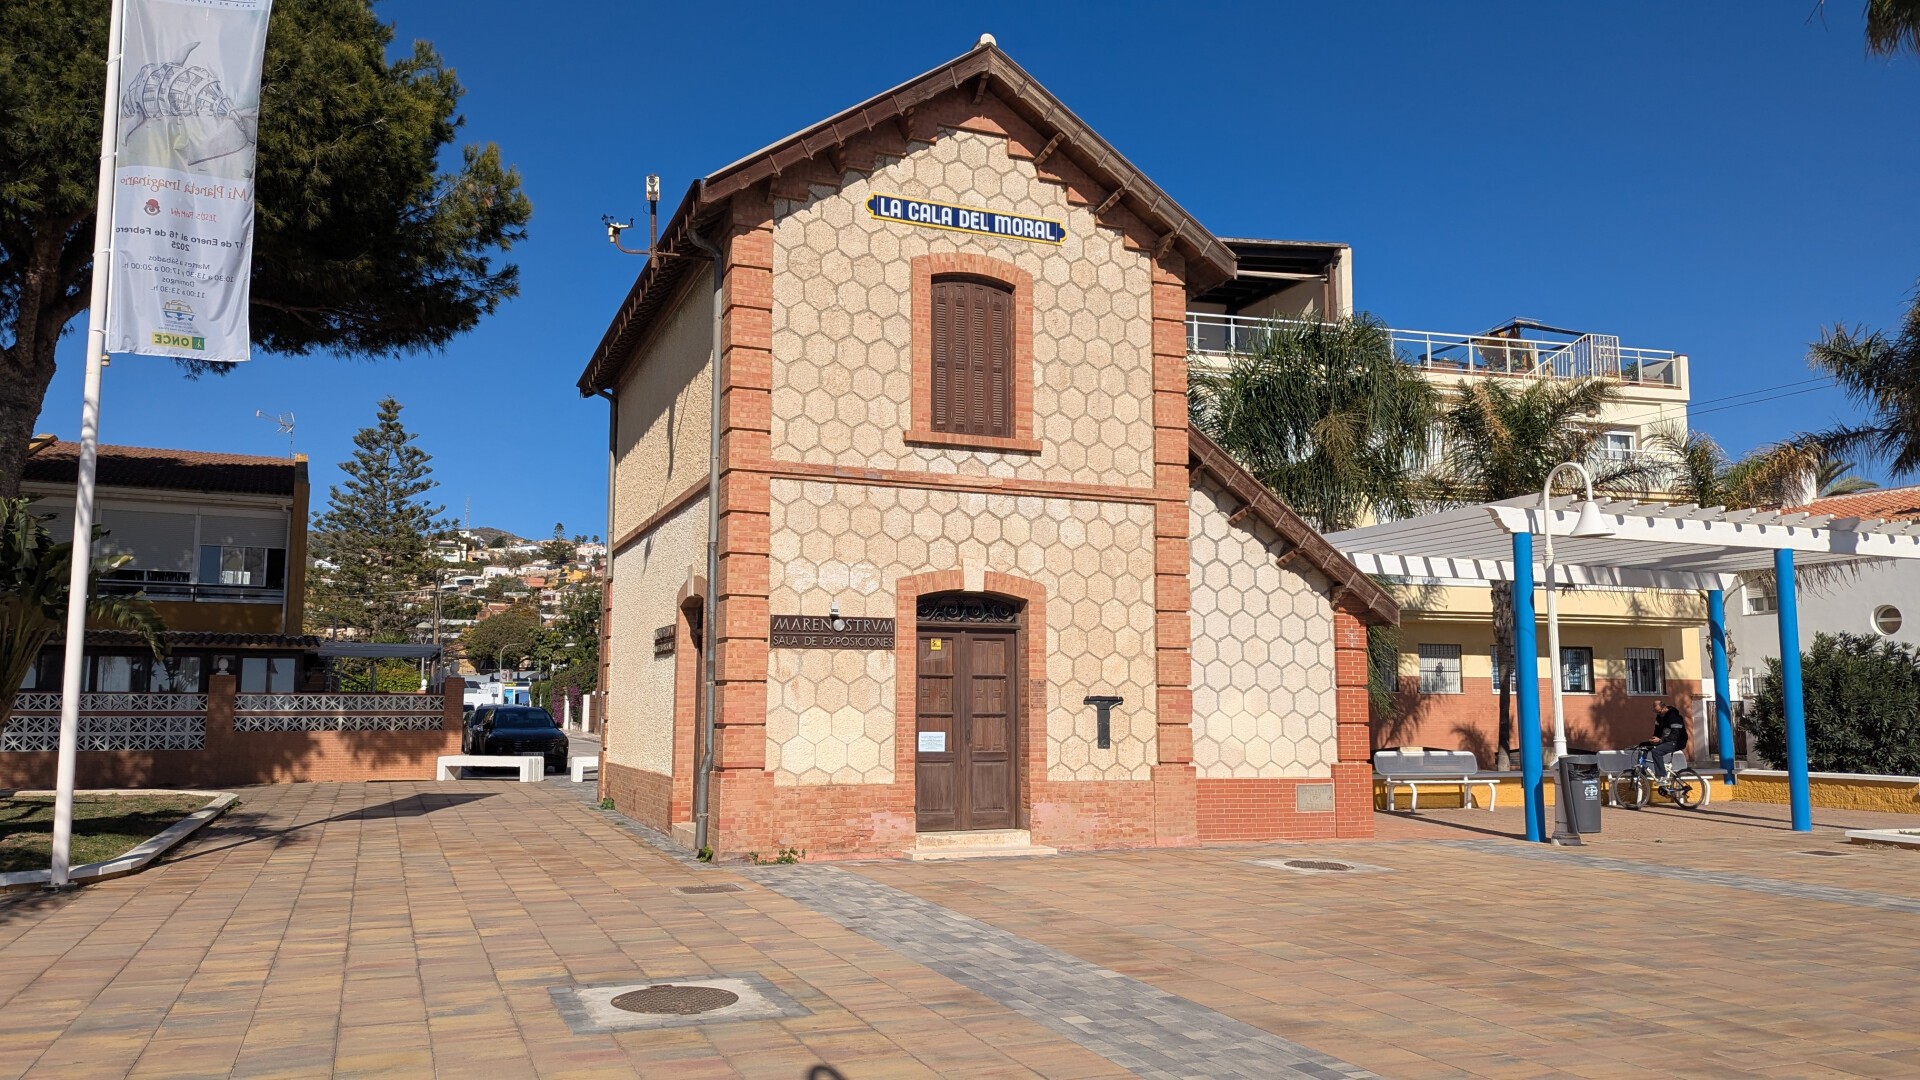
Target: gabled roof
(58,462)
(1353,589)
(1885,503)
(982,70)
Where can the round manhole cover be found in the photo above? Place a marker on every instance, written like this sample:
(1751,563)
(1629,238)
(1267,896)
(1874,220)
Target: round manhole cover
(1317,864)
(670,1000)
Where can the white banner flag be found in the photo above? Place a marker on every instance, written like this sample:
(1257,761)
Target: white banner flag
(183,177)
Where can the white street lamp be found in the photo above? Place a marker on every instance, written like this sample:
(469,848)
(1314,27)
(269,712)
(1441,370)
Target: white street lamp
(1588,524)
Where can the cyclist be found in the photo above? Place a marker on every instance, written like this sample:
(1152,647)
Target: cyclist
(1669,735)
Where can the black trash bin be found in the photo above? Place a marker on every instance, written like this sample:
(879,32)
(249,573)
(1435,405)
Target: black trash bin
(1577,802)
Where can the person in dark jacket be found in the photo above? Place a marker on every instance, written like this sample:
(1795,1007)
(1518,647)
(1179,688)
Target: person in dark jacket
(1669,735)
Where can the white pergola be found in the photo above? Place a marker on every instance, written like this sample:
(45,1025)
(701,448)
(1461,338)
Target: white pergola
(1648,546)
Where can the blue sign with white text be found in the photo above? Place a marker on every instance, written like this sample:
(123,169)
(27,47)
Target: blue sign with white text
(965,219)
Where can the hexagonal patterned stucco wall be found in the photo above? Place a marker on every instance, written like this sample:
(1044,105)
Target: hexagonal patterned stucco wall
(647,577)
(664,415)
(830,714)
(1263,689)
(843,334)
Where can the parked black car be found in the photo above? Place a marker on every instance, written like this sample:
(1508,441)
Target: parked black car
(515,729)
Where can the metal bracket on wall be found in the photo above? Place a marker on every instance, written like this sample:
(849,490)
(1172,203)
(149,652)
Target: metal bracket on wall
(1103,719)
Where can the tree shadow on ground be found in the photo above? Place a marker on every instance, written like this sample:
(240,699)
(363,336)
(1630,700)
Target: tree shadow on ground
(245,828)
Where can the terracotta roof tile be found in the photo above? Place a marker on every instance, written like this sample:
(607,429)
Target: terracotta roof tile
(168,470)
(1886,503)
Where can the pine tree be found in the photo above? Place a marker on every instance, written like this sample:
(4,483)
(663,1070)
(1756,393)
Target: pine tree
(375,540)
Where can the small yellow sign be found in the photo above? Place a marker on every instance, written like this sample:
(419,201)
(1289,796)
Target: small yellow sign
(934,645)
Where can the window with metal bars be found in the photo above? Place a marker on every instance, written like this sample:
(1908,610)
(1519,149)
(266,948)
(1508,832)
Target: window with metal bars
(972,356)
(1439,669)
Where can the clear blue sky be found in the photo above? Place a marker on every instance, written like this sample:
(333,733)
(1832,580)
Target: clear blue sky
(1719,179)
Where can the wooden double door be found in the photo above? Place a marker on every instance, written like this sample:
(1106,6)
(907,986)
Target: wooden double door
(967,713)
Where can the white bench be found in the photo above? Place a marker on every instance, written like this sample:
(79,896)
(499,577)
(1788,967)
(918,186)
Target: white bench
(1413,769)
(532,766)
(581,766)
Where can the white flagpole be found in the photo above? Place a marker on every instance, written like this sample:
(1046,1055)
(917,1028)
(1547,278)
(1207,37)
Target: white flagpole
(70,681)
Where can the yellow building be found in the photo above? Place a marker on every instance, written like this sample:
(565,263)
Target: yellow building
(1621,650)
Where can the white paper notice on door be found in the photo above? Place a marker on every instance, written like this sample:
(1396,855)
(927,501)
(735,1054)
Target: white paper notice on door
(933,742)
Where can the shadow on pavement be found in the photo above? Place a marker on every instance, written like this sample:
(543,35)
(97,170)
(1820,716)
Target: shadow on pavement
(253,831)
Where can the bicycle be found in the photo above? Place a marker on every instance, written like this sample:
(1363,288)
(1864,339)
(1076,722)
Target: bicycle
(1686,787)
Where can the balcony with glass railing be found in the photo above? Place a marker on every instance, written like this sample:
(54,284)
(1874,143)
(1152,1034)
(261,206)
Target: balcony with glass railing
(1521,353)
(179,586)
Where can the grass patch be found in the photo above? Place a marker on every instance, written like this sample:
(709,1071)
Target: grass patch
(104,826)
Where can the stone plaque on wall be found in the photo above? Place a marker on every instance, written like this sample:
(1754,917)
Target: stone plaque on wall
(1313,798)
(829,632)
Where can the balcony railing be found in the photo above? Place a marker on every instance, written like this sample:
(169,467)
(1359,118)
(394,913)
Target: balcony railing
(1586,356)
(175,586)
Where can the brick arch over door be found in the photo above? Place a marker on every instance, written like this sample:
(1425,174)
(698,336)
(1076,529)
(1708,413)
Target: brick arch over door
(1032,734)
(925,268)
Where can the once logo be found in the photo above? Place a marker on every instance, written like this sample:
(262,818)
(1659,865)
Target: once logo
(179,341)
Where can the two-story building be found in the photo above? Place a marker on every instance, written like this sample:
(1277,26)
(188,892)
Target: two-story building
(218,544)
(910,537)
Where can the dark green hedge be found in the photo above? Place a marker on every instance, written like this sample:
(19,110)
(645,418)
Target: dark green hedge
(1863,707)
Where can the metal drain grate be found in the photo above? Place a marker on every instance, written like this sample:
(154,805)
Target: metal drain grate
(667,999)
(1826,854)
(696,889)
(1317,864)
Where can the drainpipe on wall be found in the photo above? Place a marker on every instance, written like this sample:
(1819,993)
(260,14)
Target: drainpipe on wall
(606,593)
(703,777)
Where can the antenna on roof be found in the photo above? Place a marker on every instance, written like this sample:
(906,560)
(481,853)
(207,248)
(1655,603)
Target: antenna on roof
(284,421)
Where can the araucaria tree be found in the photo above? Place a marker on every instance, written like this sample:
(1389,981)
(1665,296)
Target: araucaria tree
(375,569)
(362,246)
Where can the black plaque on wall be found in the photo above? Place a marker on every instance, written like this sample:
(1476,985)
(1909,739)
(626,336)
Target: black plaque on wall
(829,632)
(663,641)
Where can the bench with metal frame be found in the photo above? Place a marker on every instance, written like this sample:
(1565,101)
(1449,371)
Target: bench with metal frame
(1415,768)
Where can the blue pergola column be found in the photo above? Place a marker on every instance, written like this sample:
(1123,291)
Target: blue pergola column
(1526,670)
(1722,698)
(1792,697)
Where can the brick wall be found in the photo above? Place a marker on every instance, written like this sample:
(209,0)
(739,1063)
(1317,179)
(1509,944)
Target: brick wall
(1263,809)
(237,758)
(1607,719)
(643,796)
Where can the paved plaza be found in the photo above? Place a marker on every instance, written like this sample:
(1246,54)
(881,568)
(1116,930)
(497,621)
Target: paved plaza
(407,929)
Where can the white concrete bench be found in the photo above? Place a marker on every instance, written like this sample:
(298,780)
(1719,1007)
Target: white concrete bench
(532,767)
(1430,768)
(581,766)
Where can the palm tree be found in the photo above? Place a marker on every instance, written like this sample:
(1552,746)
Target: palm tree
(1881,374)
(1893,26)
(1786,473)
(33,597)
(1326,415)
(1500,439)
(1835,477)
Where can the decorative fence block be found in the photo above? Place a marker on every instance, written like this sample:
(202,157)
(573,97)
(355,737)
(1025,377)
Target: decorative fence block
(339,712)
(31,733)
(49,702)
(406,722)
(337,704)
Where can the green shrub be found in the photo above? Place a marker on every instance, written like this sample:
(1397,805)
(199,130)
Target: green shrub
(1863,707)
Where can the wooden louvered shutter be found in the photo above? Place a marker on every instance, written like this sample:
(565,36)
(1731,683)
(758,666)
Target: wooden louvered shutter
(972,357)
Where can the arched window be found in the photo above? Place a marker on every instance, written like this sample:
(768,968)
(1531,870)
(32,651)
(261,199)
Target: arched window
(972,372)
